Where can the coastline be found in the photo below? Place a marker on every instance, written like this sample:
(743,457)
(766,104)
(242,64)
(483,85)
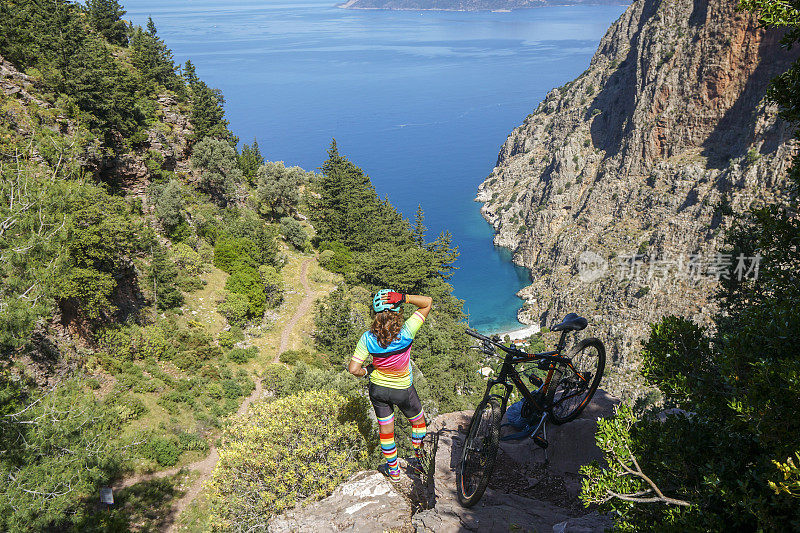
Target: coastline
(519,333)
(349,5)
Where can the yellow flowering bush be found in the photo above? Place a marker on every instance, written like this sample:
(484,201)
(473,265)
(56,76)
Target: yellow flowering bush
(283,452)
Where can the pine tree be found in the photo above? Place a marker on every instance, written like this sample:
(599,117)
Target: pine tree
(151,27)
(162,280)
(208,114)
(419,226)
(106,18)
(250,160)
(190,74)
(349,210)
(152,58)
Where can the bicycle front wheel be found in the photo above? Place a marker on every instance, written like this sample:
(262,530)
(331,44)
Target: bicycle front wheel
(578,383)
(479,453)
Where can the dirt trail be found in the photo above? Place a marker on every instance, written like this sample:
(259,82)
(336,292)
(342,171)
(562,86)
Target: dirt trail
(206,465)
(302,309)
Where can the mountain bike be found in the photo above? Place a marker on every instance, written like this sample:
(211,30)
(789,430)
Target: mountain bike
(567,388)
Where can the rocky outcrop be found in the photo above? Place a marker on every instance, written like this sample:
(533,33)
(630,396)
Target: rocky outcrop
(166,149)
(615,192)
(165,146)
(529,490)
(468,5)
(366,502)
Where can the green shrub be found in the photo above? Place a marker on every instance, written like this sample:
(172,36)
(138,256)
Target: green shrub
(229,251)
(341,259)
(326,256)
(294,448)
(206,252)
(242,355)
(128,343)
(187,260)
(182,233)
(318,360)
(145,384)
(231,389)
(187,360)
(272,281)
(752,156)
(246,280)
(278,379)
(126,407)
(214,390)
(235,308)
(169,405)
(246,224)
(163,450)
(294,233)
(192,442)
(227,339)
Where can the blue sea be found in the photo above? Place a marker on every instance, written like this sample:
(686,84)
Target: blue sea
(422,101)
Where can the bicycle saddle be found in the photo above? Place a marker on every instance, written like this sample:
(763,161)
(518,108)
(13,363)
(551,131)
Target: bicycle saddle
(571,322)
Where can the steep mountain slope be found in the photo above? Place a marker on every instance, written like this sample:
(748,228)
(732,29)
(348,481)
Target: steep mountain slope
(615,190)
(468,5)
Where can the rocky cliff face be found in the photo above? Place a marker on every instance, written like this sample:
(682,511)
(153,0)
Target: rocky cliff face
(616,190)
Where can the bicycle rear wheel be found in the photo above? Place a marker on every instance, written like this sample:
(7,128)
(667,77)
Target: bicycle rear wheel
(577,384)
(479,453)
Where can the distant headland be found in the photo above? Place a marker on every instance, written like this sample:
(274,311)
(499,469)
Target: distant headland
(468,5)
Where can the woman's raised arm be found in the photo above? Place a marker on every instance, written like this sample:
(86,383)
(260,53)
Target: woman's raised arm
(423,302)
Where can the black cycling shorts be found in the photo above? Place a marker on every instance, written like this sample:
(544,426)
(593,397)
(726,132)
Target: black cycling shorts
(384,399)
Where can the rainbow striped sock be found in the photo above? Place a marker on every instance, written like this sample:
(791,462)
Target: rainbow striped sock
(389,450)
(418,430)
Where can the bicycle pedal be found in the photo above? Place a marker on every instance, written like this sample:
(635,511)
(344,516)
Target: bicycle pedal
(540,442)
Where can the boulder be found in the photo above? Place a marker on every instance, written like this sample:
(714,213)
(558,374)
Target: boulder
(571,444)
(366,502)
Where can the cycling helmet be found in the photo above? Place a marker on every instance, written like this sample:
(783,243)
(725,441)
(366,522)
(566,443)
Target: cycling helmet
(378,303)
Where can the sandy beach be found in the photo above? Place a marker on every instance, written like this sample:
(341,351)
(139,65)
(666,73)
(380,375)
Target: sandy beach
(519,333)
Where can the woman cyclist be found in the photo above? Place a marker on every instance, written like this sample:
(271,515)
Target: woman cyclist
(389,341)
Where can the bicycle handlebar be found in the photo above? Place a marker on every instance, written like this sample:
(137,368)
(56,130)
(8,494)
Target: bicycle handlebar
(473,333)
(484,338)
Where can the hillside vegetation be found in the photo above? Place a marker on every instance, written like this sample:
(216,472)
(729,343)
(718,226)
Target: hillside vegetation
(143,258)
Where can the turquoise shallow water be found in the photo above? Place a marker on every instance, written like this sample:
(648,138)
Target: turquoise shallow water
(421,101)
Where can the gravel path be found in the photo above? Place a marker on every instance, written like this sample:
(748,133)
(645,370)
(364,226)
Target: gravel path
(302,309)
(206,466)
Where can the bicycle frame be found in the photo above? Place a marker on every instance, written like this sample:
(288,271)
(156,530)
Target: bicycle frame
(508,371)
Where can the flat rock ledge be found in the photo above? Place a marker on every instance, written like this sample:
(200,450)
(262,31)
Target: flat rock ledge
(366,502)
